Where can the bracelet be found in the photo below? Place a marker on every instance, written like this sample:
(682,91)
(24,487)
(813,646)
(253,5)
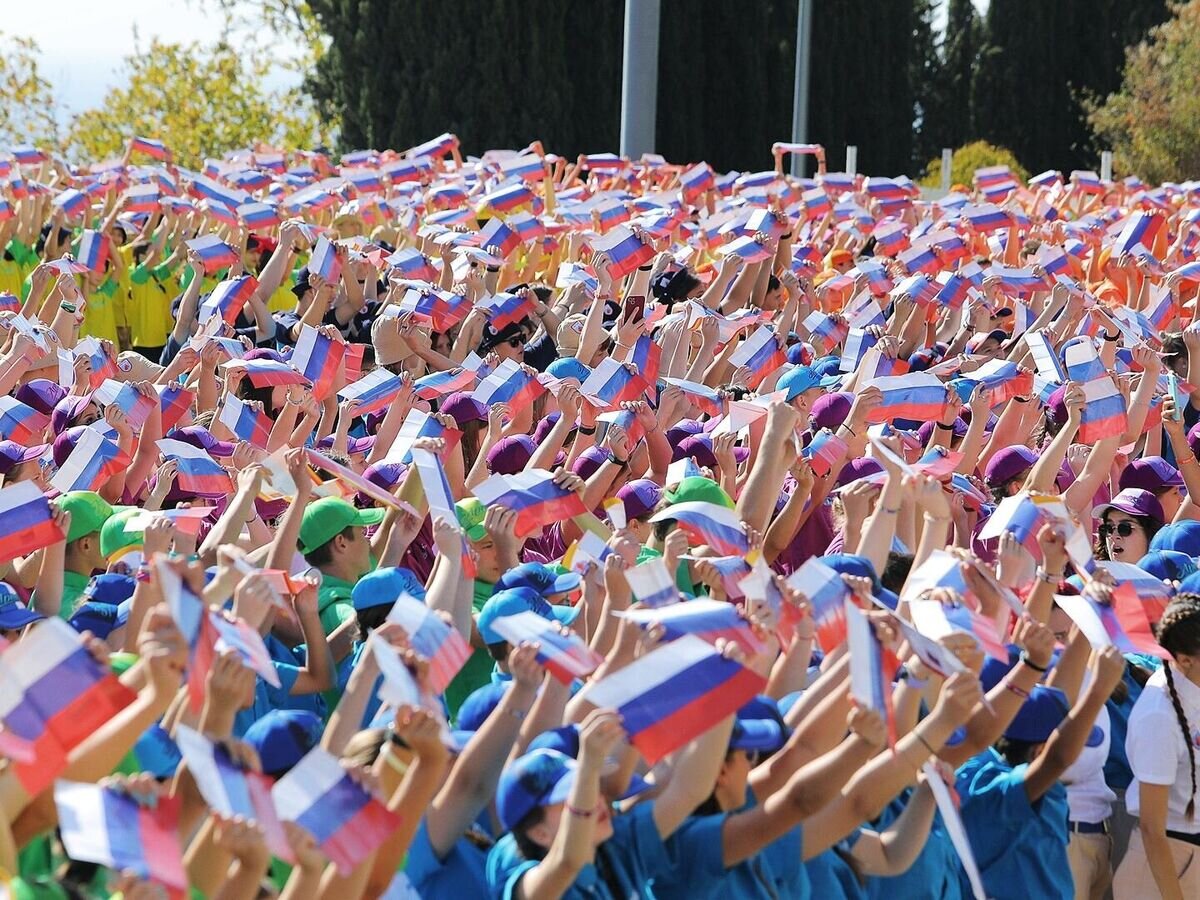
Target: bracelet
(853,433)
(1019,691)
(299,402)
(142,574)
(582,430)
(928,746)
(645,268)
(620,463)
(786,237)
(582,813)
(1020,399)
(891,512)
(493,268)
(518,714)
(1043,575)
(912,680)
(1025,659)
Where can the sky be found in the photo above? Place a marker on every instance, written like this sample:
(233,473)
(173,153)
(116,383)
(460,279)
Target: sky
(83,43)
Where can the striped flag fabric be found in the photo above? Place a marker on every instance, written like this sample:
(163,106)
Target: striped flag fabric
(1019,282)
(149,146)
(528,167)
(268,372)
(26,521)
(565,656)
(675,693)
(72,202)
(227,299)
(317,357)
(707,399)
(708,523)
(696,180)
(920,258)
(711,620)
(504,308)
(507,198)
(104,366)
(346,821)
(54,695)
(1105,413)
(533,496)
(826,593)
(20,422)
(508,383)
(441,384)
(935,619)
(93,250)
(441,644)
(1045,359)
(761,354)
(624,249)
(985,217)
(324,260)
(610,384)
(824,452)
(652,584)
(918,396)
(259,215)
(497,234)
(1153,593)
(646,357)
(246,423)
(824,331)
(1001,380)
(175,402)
(94,459)
(1123,624)
(198,473)
(123,395)
(110,827)
(870,680)
(213,252)
(419,424)
(238,635)
(436,488)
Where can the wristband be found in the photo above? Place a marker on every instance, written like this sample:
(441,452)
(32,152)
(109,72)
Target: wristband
(1025,659)
(645,268)
(493,268)
(1114,338)
(582,813)
(620,463)
(1019,691)
(1043,575)
(928,746)
(67,307)
(582,430)
(912,680)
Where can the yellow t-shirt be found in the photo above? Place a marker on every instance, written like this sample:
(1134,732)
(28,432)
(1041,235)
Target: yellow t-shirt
(100,314)
(149,307)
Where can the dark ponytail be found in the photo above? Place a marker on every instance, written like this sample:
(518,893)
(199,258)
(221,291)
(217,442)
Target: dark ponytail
(1179,633)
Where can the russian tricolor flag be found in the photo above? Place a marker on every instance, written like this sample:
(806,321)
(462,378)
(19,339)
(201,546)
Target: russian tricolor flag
(1123,625)
(674,694)
(110,827)
(646,357)
(533,496)
(705,398)
(441,644)
(1153,593)
(149,146)
(72,202)
(650,582)
(176,404)
(610,384)
(54,696)
(1088,182)
(199,473)
(136,406)
(527,168)
(213,251)
(696,180)
(870,678)
(508,198)
(317,357)
(347,822)
(1020,282)
(259,215)
(891,237)
(373,391)
(93,250)
(21,423)
(440,384)
(760,354)
(203,187)
(1045,360)
(625,251)
(824,452)
(711,620)
(496,234)
(1002,380)
(269,372)
(918,396)
(920,258)
(228,298)
(26,521)
(508,383)
(324,260)
(708,523)
(824,331)
(412,263)
(985,218)
(826,593)
(92,462)
(245,423)
(565,656)
(503,309)
(1162,309)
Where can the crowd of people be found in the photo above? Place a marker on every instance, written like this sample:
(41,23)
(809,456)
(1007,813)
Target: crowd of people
(414,524)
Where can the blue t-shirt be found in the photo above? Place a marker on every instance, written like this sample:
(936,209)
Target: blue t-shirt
(831,876)
(342,673)
(267,697)
(936,872)
(698,871)
(633,856)
(1021,848)
(463,873)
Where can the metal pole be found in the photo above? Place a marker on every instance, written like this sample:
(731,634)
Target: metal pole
(1106,158)
(639,78)
(800,87)
(851,159)
(947,164)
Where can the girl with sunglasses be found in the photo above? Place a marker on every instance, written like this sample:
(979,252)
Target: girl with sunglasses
(1127,524)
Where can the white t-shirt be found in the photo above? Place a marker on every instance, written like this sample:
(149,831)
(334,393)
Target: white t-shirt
(1088,796)
(1156,749)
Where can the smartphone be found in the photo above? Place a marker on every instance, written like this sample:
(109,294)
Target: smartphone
(635,308)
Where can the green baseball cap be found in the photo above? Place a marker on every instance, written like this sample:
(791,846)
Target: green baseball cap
(89,511)
(701,489)
(113,536)
(330,516)
(470,516)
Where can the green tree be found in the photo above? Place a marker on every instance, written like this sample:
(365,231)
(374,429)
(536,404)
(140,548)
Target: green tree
(27,115)
(1153,121)
(968,158)
(201,101)
(927,78)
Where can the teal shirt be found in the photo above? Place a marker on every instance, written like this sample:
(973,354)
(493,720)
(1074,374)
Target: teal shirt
(1021,848)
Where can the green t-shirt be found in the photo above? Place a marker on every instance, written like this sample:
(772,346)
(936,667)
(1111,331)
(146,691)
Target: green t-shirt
(683,578)
(333,602)
(478,670)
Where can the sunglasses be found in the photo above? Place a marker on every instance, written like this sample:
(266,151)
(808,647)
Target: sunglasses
(1124,529)
(515,342)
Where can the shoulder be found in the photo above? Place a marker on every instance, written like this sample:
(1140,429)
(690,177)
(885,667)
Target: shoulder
(505,866)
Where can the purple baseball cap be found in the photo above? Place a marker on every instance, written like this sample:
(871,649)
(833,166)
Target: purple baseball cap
(67,410)
(65,443)
(830,410)
(544,427)
(683,428)
(1056,405)
(1133,502)
(856,469)
(640,497)
(201,437)
(13,454)
(353,445)
(464,408)
(959,429)
(385,474)
(1150,473)
(589,461)
(264,353)
(1008,463)
(42,394)
(510,455)
(700,448)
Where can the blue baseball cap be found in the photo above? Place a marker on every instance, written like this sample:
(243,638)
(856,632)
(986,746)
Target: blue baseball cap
(568,367)
(101,619)
(1181,536)
(538,778)
(479,705)
(541,578)
(566,741)
(860,566)
(1169,565)
(1041,713)
(799,380)
(383,586)
(1191,584)
(14,613)
(283,737)
(519,600)
(758,726)
(111,588)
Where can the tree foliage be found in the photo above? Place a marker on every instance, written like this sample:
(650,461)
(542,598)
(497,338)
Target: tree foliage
(201,101)
(27,115)
(968,158)
(1153,121)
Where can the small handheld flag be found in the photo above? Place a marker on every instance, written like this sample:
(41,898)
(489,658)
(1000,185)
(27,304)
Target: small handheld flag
(213,252)
(198,473)
(652,584)
(565,656)
(92,462)
(317,358)
(446,649)
(534,496)
(710,524)
(711,620)
(246,423)
(826,593)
